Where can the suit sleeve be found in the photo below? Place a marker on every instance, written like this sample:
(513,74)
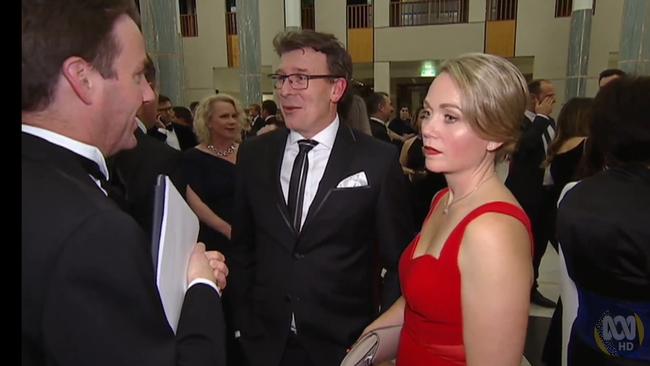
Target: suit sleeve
(104,308)
(395,227)
(242,261)
(531,137)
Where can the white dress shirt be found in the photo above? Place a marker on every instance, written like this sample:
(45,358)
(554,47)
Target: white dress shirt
(318,158)
(79,148)
(172,139)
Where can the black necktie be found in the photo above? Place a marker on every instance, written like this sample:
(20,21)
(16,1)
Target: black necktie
(297,182)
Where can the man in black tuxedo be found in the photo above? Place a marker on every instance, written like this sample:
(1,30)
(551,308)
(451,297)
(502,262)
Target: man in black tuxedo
(183,127)
(320,209)
(269,110)
(137,169)
(526,177)
(257,121)
(380,109)
(88,288)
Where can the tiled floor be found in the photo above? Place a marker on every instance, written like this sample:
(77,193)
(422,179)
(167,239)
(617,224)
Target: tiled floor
(540,317)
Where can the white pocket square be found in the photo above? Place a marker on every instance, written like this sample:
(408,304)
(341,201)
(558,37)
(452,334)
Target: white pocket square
(355,180)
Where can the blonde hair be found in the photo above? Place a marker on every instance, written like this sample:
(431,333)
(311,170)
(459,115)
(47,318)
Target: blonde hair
(493,95)
(203,114)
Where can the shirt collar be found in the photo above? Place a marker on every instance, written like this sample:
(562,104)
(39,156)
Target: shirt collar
(324,138)
(530,115)
(80,148)
(141,125)
(378,120)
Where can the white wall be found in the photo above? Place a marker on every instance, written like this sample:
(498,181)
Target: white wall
(331,18)
(539,35)
(428,42)
(206,51)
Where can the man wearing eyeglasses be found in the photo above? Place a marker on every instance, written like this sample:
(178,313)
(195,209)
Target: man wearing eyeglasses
(320,210)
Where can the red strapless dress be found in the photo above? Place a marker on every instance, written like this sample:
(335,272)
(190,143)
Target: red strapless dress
(432,334)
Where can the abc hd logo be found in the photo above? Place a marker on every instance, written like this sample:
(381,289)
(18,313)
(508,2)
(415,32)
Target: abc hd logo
(617,335)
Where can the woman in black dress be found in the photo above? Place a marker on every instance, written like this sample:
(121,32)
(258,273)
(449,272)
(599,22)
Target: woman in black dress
(564,156)
(209,170)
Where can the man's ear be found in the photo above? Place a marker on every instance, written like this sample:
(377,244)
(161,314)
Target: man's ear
(79,75)
(340,85)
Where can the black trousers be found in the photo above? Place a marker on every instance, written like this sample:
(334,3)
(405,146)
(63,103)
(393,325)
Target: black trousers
(542,215)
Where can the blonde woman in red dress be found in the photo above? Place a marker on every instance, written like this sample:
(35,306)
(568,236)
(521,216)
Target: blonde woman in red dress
(466,276)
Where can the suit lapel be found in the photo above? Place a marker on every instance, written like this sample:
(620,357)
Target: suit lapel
(275,156)
(337,166)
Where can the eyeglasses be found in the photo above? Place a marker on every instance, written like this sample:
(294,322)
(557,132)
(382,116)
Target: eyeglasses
(297,81)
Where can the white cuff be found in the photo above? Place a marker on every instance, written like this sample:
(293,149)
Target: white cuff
(207,282)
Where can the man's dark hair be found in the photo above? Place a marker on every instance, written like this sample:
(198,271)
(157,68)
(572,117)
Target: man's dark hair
(339,61)
(163,99)
(610,72)
(535,86)
(193,105)
(183,113)
(620,129)
(270,107)
(375,101)
(54,30)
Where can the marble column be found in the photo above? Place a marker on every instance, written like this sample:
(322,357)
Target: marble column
(634,47)
(248,28)
(162,33)
(578,58)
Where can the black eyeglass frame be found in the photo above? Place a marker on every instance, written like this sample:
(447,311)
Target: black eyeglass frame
(280,77)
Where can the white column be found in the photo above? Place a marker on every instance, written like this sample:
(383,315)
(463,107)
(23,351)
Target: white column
(382,77)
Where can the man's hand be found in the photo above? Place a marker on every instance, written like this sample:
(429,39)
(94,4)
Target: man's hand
(219,268)
(545,107)
(207,265)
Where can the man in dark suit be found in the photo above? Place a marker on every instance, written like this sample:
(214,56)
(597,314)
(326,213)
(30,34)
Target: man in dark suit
(380,109)
(88,288)
(320,209)
(526,177)
(269,110)
(137,169)
(183,127)
(257,121)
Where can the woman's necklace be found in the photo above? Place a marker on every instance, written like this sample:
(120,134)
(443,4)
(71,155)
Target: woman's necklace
(223,153)
(449,204)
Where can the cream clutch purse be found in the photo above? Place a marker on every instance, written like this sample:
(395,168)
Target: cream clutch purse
(376,346)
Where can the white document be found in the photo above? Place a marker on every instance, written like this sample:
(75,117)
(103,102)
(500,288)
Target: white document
(175,231)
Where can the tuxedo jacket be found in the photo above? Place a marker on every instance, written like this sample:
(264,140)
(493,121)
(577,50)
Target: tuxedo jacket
(137,170)
(88,290)
(379,131)
(526,175)
(327,274)
(186,137)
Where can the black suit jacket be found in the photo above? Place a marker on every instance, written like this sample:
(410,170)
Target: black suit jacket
(257,123)
(137,169)
(326,275)
(88,288)
(379,131)
(186,137)
(526,175)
